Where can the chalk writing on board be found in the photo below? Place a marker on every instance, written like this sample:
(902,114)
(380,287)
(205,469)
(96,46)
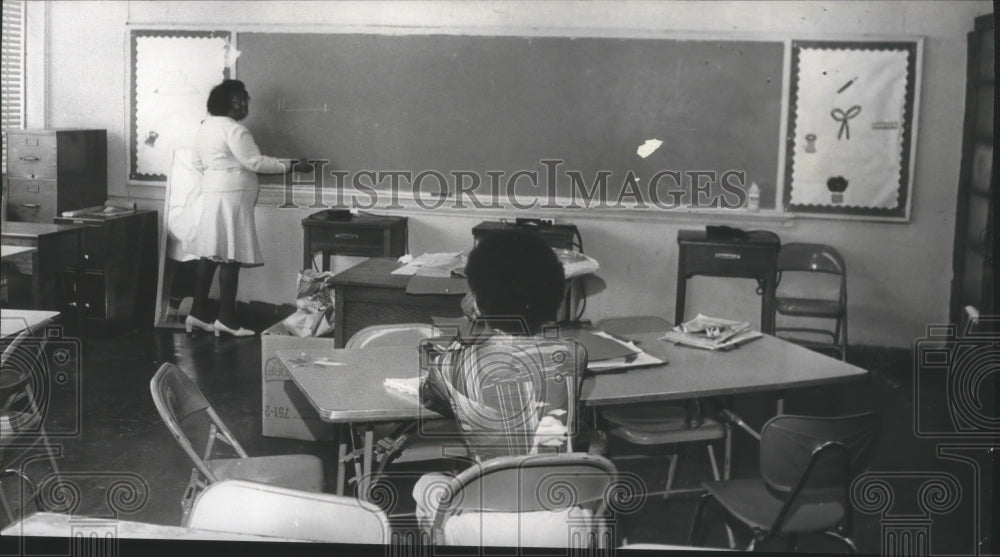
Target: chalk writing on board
(283,107)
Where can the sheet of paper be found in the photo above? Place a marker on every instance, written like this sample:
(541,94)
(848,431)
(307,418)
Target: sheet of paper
(642,359)
(428,260)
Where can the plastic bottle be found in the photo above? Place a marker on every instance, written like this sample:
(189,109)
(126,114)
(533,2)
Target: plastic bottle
(753,198)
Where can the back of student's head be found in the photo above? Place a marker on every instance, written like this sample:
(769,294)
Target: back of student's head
(514,273)
(220,99)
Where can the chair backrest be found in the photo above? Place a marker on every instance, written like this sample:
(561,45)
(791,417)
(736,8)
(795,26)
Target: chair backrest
(795,260)
(264,510)
(529,483)
(790,444)
(177,399)
(811,257)
(511,395)
(403,334)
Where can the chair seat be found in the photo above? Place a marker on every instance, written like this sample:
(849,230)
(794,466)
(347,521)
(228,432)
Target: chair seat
(296,471)
(809,307)
(659,425)
(752,503)
(434,440)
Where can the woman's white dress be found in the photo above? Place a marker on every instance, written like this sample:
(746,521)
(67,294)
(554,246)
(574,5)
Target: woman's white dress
(230,161)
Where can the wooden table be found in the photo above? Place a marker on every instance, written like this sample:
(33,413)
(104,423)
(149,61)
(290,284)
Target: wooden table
(58,250)
(353,393)
(369,294)
(755,257)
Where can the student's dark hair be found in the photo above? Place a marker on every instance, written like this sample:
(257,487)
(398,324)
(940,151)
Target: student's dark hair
(515,273)
(220,100)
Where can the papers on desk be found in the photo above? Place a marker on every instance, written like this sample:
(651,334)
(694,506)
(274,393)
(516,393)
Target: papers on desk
(405,385)
(607,353)
(711,333)
(304,360)
(450,265)
(442,265)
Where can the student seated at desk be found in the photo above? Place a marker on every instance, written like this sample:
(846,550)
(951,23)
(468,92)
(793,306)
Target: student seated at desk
(512,388)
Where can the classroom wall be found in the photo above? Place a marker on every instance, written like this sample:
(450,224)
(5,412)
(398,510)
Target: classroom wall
(899,274)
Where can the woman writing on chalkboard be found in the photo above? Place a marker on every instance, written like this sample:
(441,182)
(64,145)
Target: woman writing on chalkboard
(226,236)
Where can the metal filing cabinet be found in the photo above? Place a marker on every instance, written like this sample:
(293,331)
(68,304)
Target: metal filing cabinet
(51,171)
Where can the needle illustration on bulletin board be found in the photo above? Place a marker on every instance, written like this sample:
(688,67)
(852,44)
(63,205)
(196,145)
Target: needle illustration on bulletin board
(846,85)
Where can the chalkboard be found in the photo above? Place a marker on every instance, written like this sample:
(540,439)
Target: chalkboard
(502,104)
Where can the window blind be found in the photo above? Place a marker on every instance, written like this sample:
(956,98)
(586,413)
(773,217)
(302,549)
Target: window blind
(12,65)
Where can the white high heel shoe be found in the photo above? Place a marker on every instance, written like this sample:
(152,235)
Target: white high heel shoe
(191,322)
(241,332)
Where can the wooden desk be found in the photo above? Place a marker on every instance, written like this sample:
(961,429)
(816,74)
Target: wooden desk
(755,257)
(354,393)
(115,287)
(360,235)
(58,250)
(369,294)
(765,364)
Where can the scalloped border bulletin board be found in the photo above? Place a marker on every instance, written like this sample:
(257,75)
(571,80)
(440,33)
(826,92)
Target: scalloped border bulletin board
(171,73)
(852,128)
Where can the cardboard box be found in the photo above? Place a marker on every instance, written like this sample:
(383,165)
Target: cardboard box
(285,410)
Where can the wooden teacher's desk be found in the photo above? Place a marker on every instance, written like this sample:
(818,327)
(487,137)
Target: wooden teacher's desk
(369,294)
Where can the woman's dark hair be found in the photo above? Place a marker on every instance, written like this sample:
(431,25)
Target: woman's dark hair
(220,100)
(514,273)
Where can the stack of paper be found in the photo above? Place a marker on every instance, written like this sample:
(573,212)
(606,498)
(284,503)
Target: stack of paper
(405,385)
(443,265)
(605,352)
(711,333)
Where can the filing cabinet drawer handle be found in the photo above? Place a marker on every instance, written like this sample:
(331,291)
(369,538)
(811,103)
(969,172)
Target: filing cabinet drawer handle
(28,158)
(345,236)
(31,205)
(727,256)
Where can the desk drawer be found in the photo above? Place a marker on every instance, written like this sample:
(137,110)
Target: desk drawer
(92,248)
(32,200)
(88,293)
(367,242)
(31,156)
(729,261)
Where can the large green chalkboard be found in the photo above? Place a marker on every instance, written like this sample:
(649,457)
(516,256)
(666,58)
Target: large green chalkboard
(481,103)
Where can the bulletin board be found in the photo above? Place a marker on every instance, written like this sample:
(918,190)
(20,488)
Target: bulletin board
(171,74)
(852,128)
